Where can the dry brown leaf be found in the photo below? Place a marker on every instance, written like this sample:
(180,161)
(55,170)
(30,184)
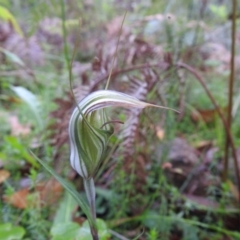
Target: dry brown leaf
(50,191)
(18,199)
(46,193)
(17,128)
(4,174)
(206,115)
(80,220)
(202,144)
(13,99)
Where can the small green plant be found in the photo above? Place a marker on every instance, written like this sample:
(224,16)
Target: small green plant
(8,232)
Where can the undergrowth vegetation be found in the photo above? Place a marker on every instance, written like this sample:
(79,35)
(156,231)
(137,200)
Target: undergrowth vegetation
(167,174)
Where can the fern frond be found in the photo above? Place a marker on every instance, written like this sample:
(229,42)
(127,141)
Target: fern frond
(139,90)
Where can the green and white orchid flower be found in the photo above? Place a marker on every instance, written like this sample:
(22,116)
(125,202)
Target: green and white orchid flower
(89,130)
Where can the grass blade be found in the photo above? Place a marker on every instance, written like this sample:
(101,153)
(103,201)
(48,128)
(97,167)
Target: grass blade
(79,199)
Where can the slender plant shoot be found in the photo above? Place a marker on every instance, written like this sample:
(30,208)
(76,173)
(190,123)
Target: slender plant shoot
(116,51)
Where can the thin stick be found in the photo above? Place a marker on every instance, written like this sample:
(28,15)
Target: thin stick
(199,78)
(116,51)
(115,234)
(162,65)
(230,89)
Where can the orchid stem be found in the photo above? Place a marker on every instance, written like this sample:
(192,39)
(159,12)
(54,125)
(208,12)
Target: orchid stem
(89,187)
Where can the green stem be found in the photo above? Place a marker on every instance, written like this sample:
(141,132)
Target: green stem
(230,89)
(89,187)
(65,47)
(68,61)
(116,52)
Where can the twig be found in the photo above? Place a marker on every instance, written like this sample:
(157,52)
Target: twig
(230,89)
(96,81)
(117,235)
(231,142)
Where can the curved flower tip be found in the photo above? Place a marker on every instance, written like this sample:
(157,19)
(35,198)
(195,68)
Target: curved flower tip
(89,134)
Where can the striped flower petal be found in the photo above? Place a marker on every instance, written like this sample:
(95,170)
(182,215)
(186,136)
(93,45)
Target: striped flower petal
(89,135)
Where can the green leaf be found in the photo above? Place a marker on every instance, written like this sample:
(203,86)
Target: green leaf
(71,230)
(84,232)
(32,101)
(9,232)
(65,231)
(12,57)
(64,212)
(219,10)
(154,220)
(6,16)
(79,199)
(16,145)
(106,193)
